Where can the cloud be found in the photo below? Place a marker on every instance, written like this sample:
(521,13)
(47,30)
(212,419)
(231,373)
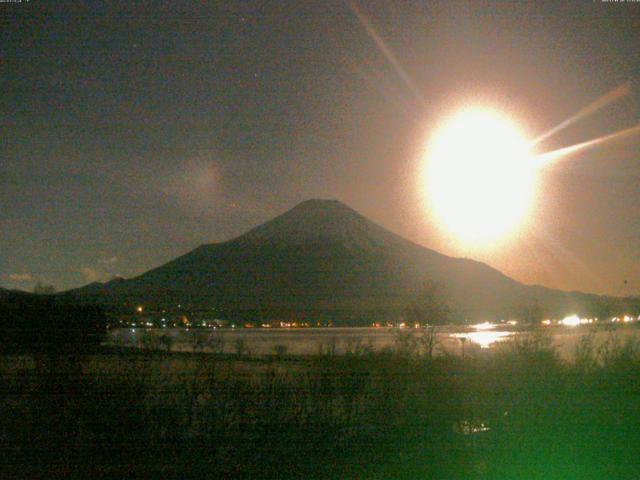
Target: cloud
(90,274)
(102,270)
(20,277)
(198,184)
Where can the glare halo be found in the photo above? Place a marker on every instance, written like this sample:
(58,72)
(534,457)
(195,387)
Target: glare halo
(480,177)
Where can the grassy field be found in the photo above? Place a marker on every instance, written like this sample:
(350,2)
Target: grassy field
(516,412)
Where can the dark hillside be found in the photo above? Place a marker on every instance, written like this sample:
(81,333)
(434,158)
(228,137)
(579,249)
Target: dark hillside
(322,260)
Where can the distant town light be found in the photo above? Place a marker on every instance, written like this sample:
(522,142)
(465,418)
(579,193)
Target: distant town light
(570,321)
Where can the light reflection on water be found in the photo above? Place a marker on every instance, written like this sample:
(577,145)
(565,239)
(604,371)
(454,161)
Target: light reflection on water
(484,338)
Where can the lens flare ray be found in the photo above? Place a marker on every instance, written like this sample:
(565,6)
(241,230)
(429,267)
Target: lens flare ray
(555,155)
(605,100)
(387,52)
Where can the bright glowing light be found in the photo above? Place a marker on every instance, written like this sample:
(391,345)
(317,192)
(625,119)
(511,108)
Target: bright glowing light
(484,338)
(570,321)
(480,176)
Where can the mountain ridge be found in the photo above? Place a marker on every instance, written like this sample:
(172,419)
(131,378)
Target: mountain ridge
(321,259)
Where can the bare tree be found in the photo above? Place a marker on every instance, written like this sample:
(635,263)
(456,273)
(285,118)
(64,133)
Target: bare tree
(428,342)
(530,313)
(429,306)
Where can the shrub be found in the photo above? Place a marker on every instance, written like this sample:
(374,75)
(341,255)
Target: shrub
(150,341)
(240,346)
(216,343)
(586,354)
(357,347)
(616,355)
(166,341)
(279,350)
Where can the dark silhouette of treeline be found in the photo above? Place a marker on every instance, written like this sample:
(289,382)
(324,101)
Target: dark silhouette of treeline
(31,323)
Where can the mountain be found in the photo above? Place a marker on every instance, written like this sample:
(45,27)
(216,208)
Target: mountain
(8,296)
(322,260)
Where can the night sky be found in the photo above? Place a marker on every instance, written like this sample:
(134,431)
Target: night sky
(133,132)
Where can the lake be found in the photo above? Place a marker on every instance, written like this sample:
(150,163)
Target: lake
(339,341)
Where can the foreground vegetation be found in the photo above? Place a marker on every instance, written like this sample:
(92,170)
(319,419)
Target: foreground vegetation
(517,412)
